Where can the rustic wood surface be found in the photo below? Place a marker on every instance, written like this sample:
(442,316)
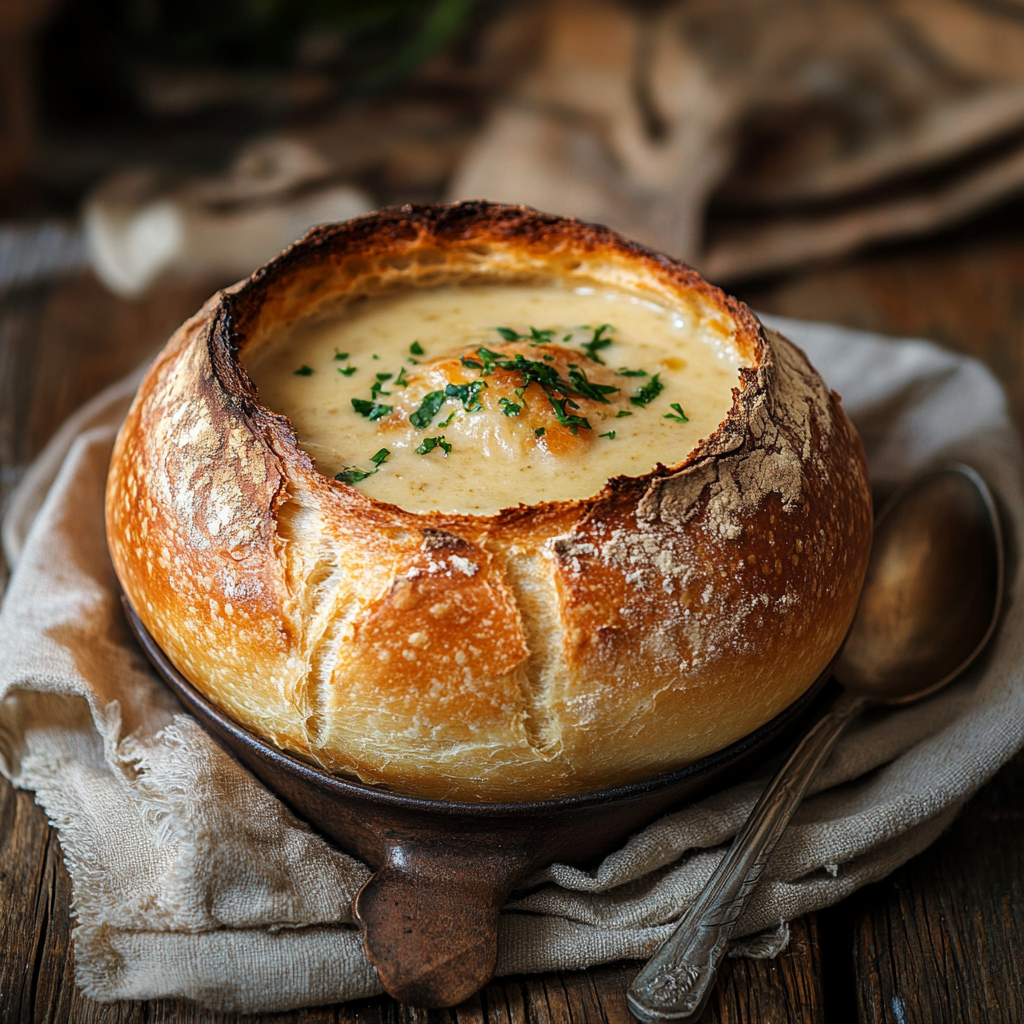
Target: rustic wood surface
(938,941)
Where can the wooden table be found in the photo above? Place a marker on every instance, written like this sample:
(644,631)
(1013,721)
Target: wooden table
(938,941)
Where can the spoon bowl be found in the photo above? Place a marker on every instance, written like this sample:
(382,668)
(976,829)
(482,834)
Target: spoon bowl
(937,559)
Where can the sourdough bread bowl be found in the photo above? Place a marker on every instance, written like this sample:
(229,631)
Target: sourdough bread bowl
(455,648)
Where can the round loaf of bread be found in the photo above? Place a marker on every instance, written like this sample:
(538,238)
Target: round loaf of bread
(510,649)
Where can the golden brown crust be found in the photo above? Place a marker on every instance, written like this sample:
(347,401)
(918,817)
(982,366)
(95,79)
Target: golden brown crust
(539,652)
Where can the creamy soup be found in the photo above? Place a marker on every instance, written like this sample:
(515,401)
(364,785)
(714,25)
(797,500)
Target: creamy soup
(475,399)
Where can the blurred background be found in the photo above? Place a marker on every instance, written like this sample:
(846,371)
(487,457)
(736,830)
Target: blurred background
(852,160)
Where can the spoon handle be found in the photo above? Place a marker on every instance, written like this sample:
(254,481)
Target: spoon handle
(677,982)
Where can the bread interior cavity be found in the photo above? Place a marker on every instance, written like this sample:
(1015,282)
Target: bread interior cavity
(474,398)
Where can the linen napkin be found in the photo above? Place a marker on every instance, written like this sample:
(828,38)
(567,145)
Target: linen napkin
(191,880)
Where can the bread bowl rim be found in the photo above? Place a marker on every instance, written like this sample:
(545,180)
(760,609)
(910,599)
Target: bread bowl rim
(381,233)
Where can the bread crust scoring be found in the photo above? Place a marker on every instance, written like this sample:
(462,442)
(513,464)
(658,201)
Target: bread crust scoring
(543,651)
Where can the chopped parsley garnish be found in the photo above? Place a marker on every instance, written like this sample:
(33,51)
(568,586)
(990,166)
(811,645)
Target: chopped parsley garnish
(490,359)
(624,371)
(568,419)
(354,475)
(535,337)
(400,381)
(468,394)
(428,409)
(375,356)
(430,443)
(649,392)
(535,372)
(416,349)
(347,370)
(377,388)
(596,392)
(681,417)
(340,356)
(547,358)
(471,363)
(539,431)
(509,408)
(597,342)
(304,371)
(621,413)
(610,435)
(371,410)
(531,370)
(444,423)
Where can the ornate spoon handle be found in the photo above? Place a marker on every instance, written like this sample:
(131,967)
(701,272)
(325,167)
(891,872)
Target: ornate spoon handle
(677,982)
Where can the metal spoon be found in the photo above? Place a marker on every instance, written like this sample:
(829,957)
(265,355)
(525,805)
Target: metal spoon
(930,603)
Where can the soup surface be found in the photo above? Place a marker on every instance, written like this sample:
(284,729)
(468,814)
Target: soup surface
(478,398)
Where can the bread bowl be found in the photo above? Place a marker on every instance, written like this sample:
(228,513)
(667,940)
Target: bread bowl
(477,653)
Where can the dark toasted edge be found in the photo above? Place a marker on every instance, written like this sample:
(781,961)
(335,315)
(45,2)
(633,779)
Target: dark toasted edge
(452,226)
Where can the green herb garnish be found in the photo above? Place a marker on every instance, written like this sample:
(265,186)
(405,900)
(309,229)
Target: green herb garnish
(624,371)
(377,388)
(347,370)
(354,475)
(539,431)
(597,342)
(375,356)
(568,419)
(649,392)
(596,392)
(340,356)
(304,371)
(468,394)
(535,337)
(534,372)
(509,408)
(610,435)
(490,359)
(416,349)
(621,413)
(430,443)
(428,409)
(400,381)
(371,410)
(681,417)
(444,423)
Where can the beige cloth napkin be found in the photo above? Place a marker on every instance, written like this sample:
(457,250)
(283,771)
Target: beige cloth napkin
(191,880)
(745,136)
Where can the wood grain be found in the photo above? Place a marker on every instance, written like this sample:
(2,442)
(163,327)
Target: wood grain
(940,939)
